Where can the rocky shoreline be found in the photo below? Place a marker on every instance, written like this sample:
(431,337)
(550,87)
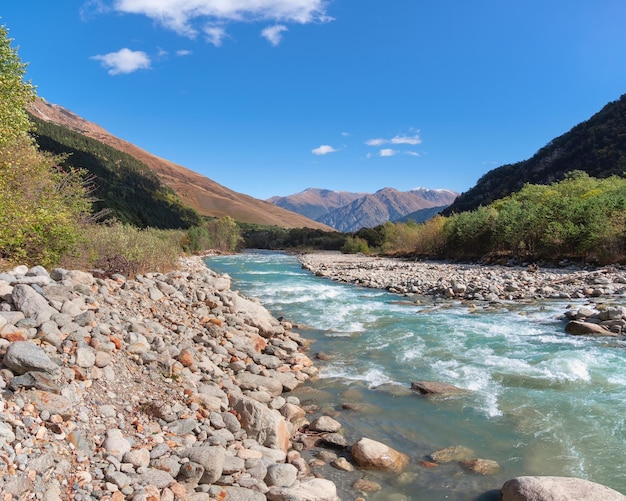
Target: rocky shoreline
(164,387)
(488,284)
(467,281)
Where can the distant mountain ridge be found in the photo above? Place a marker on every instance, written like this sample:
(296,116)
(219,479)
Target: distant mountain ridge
(596,146)
(364,210)
(204,195)
(314,202)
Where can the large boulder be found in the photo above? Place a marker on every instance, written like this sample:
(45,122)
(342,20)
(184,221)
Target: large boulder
(255,314)
(22,357)
(580,328)
(557,489)
(32,304)
(369,454)
(267,426)
(317,489)
(210,458)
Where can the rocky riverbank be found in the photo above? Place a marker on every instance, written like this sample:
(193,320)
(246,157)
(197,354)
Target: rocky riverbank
(164,387)
(489,284)
(467,281)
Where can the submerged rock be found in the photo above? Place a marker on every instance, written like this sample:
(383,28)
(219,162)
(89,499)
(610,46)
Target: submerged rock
(435,388)
(454,453)
(481,466)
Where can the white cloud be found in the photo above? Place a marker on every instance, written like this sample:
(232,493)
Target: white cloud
(183,52)
(274,33)
(92,8)
(404,139)
(387,152)
(124,61)
(323,150)
(376,142)
(412,153)
(180,15)
(412,138)
(215,35)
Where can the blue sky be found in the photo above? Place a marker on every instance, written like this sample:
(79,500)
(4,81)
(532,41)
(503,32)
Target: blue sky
(269,97)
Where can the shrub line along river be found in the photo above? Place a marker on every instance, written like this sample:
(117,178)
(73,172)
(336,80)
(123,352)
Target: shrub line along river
(540,402)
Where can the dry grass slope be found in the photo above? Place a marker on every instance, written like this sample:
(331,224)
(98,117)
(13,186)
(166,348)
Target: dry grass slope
(203,194)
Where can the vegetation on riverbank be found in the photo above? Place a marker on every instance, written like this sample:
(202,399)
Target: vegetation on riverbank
(50,209)
(580,218)
(42,206)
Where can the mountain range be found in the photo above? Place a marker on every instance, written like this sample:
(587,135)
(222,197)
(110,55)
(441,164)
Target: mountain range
(348,212)
(596,146)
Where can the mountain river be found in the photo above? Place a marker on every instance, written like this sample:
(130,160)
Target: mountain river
(540,402)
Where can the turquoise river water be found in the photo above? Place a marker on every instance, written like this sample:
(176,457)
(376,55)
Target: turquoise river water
(541,402)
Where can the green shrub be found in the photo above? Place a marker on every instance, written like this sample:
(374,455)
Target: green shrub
(355,245)
(196,239)
(128,250)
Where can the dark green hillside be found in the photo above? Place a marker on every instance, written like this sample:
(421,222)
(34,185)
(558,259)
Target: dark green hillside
(127,187)
(419,216)
(596,146)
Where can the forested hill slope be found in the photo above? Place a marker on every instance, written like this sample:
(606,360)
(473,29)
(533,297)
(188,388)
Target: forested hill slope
(596,146)
(199,192)
(122,184)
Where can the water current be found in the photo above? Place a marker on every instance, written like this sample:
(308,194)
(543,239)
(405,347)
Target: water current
(540,402)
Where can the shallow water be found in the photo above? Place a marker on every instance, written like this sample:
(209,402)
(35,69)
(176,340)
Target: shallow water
(541,402)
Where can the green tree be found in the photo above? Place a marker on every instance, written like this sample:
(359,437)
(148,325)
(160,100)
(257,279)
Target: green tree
(41,206)
(15,94)
(355,245)
(224,234)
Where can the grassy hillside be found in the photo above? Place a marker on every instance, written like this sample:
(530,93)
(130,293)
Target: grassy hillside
(123,184)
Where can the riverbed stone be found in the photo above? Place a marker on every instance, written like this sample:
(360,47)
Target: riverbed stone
(24,356)
(317,489)
(265,425)
(250,381)
(453,453)
(116,444)
(210,458)
(548,488)
(580,328)
(435,388)
(281,475)
(370,454)
(32,304)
